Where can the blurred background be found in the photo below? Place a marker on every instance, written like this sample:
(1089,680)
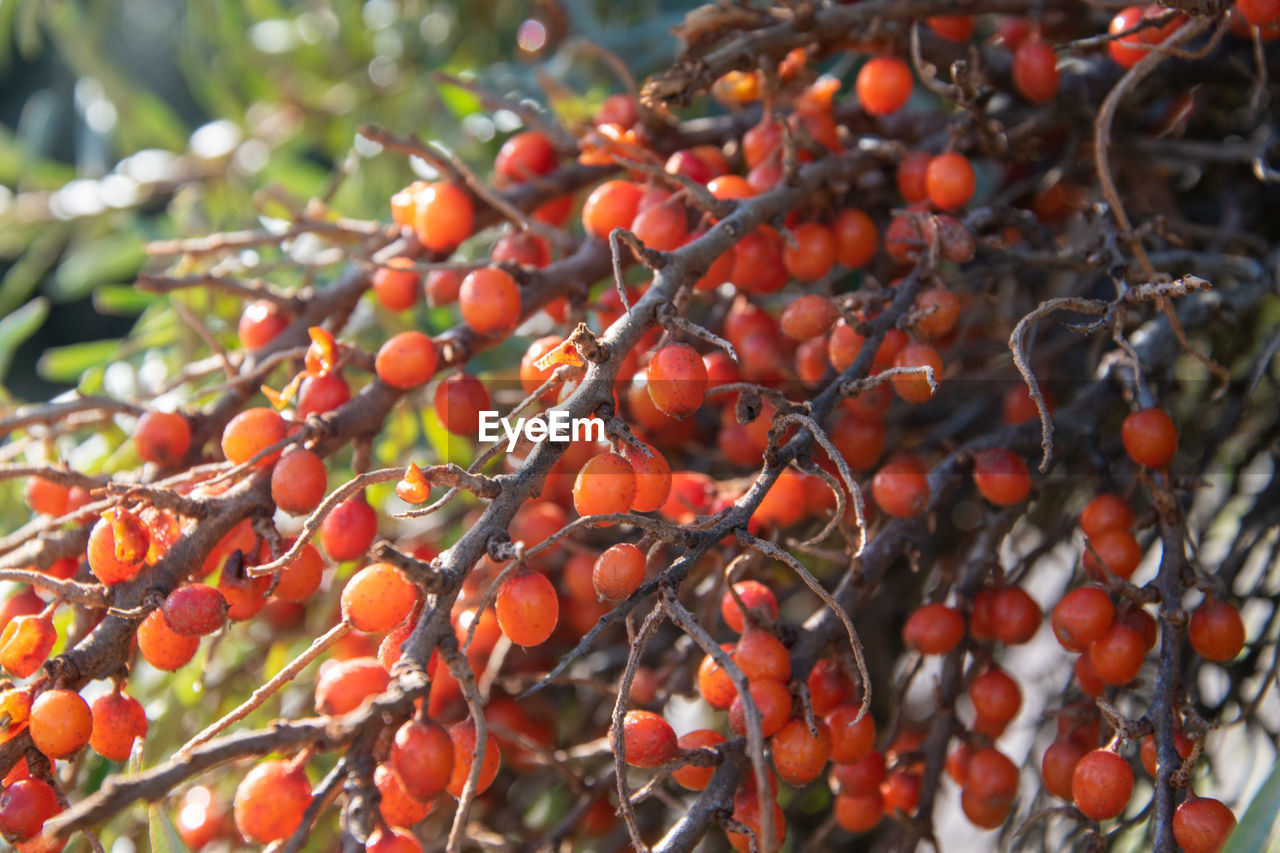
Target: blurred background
(125,121)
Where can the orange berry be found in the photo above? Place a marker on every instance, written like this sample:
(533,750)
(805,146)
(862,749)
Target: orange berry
(347,532)
(458,401)
(299,579)
(118,720)
(406,360)
(250,432)
(606,484)
(762,656)
(1001,476)
(755,596)
(527,608)
(270,801)
(60,723)
(934,629)
(395,805)
(25,643)
(1150,438)
(653,478)
(1201,824)
(856,237)
(1118,551)
(397,286)
(1216,631)
(490,302)
(850,741)
(611,205)
(463,735)
(859,813)
(950,181)
(162,438)
(422,758)
(799,756)
(772,699)
(298,481)
(914,387)
(618,571)
(161,646)
(528,154)
(377,598)
(884,85)
(690,776)
(443,216)
(813,254)
(648,740)
(344,685)
(1102,784)
(677,380)
(901,487)
(808,317)
(1117,655)
(714,684)
(260,323)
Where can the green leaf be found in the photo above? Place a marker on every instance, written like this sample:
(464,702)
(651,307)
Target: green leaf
(122,300)
(1259,822)
(459,101)
(164,835)
(112,259)
(66,364)
(19,326)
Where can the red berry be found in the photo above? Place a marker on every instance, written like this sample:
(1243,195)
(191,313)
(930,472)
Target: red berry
(523,248)
(396,806)
(1082,617)
(1118,551)
(422,758)
(1117,655)
(1263,14)
(24,807)
(850,741)
(194,609)
(996,698)
(397,286)
(934,629)
(884,85)
(26,642)
(662,227)
(320,394)
(490,301)
(611,205)
(798,755)
(648,740)
(302,577)
(1150,438)
(47,497)
(1035,71)
(653,478)
(251,432)
(527,608)
(441,287)
(1216,631)
(463,735)
(949,181)
(808,317)
(1015,615)
(406,360)
(118,720)
(387,840)
(762,656)
(813,254)
(298,482)
(260,323)
(618,571)
(856,237)
(991,778)
(859,813)
(162,438)
(526,155)
(1102,784)
(1105,513)
(957,28)
(901,487)
(772,699)
(270,801)
(1201,824)
(677,380)
(754,595)
(343,686)
(459,400)
(1058,766)
(1001,476)
(442,217)
(347,532)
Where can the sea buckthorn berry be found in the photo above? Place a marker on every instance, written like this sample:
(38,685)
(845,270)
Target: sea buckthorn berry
(860,440)
(1088,679)
(690,776)
(1017,616)
(118,720)
(344,685)
(406,360)
(463,735)
(859,813)
(798,755)
(813,254)
(851,739)
(648,740)
(1058,766)
(653,478)
(251,432)
(662,227)
(60,722)
(1102,784)
(1105,513)
(105,560)
(729,187)
(1001,476)
(606,484)
(388,840)
(884,85)
(523,248)
(161,646)
(757,262)
(1035,71)
(1142,623)
(828,686)
(24,807)
(320,394)
(958,762)
(677,380)
(1128,51)
(915,387)
(934,629)
(395,805)
(441,287)
(25,643)
(957,28)
(996,698)
(762,656)
(422,758)
(194,609)
(260,323)
(1263,14)
(981,814)
(613,204)
(746,811)
(755,596)
(1082,617)
(1201,824)
(1117,655)
(270,801)
(162,438)
(298,481)
(901,791)
(405,202)
(714,684)
(47,497)
(1216,631)
(459,400)
(860,778)
(992,778)
(618,571)
(856,237)
(443,216)
(377,598)
(808,317)
(528,154)
(1183,744)
(1117,550)
(772,699)
(527,608)
(397,286)
(939,309)
(1150,438)
(910,177)
(245,595)
(901,487)
(950,181)
(300,578)
(347,532)
(490,301)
